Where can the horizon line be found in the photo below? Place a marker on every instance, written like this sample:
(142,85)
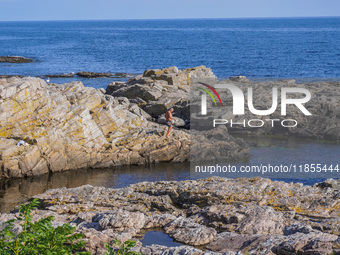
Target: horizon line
(159,19)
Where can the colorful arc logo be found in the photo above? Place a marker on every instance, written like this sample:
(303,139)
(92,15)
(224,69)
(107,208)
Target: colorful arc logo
(209,93)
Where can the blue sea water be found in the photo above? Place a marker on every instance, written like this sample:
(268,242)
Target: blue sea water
(256,48)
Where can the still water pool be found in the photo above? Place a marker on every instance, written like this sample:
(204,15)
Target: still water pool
(15,191)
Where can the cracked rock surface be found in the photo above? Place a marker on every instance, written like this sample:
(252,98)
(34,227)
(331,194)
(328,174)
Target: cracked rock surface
(214,215)
(69,126)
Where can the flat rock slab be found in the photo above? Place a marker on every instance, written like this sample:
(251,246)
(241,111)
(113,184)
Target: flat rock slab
(15,59)
(63,75)
(230,216)
(94,75)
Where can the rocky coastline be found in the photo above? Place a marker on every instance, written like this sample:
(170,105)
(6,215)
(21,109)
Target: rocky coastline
(105,75)
(15,59)
(157,90)
(208,216)
(71,75)
(70,126)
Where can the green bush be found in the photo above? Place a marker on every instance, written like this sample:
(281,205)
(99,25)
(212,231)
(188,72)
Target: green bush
(122,249)
(39,237)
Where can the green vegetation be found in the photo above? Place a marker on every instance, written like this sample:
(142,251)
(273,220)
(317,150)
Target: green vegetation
(38,237)
(123,249)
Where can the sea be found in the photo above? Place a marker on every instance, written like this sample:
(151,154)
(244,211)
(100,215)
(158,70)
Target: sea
(268,48)
(257,48)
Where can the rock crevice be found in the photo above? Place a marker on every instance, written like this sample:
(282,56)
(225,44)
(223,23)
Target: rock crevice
(230,216)
(69,126)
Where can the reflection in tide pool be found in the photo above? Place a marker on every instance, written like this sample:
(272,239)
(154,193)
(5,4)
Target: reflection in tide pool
(15,191)
(295,156)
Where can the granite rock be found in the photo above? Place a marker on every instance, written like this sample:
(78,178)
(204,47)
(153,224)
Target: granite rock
(230,216)
(69,126)
(158,90)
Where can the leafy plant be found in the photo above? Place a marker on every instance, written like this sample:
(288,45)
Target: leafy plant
(122,248)
(38,237)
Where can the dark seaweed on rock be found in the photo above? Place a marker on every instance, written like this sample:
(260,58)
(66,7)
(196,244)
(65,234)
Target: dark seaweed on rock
(93,74)
(15,59)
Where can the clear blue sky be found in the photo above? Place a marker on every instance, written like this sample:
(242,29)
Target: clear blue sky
(15,10)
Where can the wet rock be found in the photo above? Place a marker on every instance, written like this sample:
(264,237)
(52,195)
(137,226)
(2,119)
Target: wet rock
(137,91)
(63,75)
(113,86)
(329,183)
(10,76)
(15,59)
(93,74)
(239,78)
(216,144)
(123,75)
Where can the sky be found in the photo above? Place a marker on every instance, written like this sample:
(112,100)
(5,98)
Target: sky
(24,10)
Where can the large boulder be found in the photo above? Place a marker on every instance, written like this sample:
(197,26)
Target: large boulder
(216,144)
(173,76)
(69,126)
(93,74)
(189,232)
(160,89)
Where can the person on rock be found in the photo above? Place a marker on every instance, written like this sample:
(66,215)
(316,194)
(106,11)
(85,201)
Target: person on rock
(168,120)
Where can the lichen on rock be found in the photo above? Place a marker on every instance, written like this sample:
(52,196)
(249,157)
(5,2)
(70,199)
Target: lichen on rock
(229,216)
(69,126)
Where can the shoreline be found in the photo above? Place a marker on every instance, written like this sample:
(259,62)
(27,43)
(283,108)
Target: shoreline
(221,215)
(117,75)
(218,215)
(70,126)
(18,190)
